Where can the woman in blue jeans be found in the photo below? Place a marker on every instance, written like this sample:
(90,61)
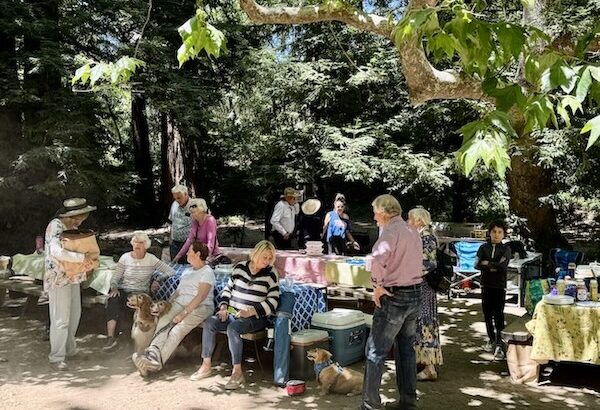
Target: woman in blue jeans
(251,295)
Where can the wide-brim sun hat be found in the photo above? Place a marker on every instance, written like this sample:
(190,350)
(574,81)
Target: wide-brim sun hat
(311,206)
(74,207)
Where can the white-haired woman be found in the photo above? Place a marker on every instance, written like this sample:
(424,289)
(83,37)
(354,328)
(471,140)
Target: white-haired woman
(204,230)
(132,275)
(428,347)
(253,294)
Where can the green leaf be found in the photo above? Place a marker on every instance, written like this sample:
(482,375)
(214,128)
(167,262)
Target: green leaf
(81,74)
(528,3)
(511,38)
(593,127)
(571,102)
(583,85)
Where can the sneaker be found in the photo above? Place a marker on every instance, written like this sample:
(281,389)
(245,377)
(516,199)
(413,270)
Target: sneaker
(111,343)
(140,364)
(489,346)
(499,354)
(60,365)
(198,375)
(153,363)
(234,384)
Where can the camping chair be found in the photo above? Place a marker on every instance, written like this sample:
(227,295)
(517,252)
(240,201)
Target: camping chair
(465,271)
(561,259)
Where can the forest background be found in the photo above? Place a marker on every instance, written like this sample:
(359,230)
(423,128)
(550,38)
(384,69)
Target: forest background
(323,107)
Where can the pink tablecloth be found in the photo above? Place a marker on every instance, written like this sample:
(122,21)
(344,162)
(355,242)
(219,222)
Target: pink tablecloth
(292,264)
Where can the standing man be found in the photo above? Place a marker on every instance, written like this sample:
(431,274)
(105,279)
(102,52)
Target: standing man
(396,274)
(180,219)
(283,219)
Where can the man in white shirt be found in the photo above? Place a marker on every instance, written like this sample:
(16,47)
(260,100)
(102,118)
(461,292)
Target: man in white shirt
(283,219)
(180,219)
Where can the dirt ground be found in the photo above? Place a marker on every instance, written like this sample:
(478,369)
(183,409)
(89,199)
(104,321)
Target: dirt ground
(99,380)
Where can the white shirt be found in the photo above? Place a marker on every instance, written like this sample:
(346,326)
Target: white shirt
(189,283)
(283,219)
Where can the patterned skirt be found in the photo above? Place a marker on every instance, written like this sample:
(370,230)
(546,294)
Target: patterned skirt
(428,347)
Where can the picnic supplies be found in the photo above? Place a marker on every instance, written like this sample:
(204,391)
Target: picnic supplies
(534,292)
(81,241)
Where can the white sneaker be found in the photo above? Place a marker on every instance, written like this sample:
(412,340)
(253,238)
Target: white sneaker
(499,353)
(489,346)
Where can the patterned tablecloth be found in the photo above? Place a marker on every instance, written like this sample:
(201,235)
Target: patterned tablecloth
(310,298)
(294,264)
(33,265)
(565,333)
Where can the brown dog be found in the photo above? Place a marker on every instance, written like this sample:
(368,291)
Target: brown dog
(332,377)
(144,323)
(160,308)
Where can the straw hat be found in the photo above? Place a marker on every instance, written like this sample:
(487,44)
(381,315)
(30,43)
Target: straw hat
(75,206)
(311,206)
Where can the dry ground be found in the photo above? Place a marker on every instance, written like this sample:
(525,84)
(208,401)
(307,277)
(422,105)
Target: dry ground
(98,380)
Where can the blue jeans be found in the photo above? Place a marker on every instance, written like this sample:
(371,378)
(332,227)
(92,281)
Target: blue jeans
(281,359)
(235,328)
(395,323)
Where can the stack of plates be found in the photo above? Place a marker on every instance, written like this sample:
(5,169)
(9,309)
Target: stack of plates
(559,299)
(314,248)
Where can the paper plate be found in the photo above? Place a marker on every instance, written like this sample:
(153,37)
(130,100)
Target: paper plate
(559,299)
(588,303)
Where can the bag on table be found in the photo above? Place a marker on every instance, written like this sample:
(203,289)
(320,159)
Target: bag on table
(221,259)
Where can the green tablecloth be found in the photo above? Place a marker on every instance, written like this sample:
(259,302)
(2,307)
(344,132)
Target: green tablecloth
(343,273)
(33,265)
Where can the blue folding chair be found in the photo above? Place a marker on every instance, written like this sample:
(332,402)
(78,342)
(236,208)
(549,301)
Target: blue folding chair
(561,259)
(466,253)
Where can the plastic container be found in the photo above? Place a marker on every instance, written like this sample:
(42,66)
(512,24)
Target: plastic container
(594,290)
(561,286)
(302,341)
(347,331)
(582,293)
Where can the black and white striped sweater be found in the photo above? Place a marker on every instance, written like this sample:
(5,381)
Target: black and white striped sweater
(260,291)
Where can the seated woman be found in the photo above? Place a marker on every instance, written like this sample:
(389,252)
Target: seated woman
(192,303)
(337,227)
(204,229)
(132,275)
(253,294)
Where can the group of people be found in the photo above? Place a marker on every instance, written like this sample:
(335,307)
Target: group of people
(405,316)
(288,222)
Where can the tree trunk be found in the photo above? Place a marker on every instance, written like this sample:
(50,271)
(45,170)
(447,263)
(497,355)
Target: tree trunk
(172,159)
(142,160)
(527,183)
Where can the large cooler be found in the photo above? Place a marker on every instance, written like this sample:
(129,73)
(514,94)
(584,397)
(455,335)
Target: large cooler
(347,331)
(302,341)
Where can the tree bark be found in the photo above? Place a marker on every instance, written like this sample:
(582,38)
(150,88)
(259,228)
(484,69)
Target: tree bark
(172,159)
(142,160)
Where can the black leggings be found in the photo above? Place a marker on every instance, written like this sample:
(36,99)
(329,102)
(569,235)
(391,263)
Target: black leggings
(116,307)
(492,303)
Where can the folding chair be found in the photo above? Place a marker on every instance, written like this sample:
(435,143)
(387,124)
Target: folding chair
(466,253)
(561,259)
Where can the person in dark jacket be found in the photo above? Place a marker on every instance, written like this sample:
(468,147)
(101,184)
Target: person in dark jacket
(492,260)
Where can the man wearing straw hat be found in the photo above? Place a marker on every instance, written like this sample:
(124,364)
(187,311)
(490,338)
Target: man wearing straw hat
(64,298)
(283,219)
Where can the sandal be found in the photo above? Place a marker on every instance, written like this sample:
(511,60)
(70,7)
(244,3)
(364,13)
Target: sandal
(426,374)
(198,375)
(234,384)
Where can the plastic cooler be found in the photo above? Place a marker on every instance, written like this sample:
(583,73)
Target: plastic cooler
(302,341)
(347,331)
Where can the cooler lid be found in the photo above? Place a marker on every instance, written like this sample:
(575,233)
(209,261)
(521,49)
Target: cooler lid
(368,320)
(338,317)
(307,336)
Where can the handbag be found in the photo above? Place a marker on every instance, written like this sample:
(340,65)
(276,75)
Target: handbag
(439,279)
(221,259)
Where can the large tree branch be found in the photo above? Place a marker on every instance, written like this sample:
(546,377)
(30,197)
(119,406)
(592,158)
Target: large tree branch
(424,81)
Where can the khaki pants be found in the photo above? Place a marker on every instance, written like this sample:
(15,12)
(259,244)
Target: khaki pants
(166,340)
(65,312)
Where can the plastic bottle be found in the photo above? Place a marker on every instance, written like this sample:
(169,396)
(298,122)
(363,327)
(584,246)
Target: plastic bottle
(594,289)
(560,286)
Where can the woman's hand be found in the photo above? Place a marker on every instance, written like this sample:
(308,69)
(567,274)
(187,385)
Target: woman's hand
(248,312)
(355,245)
(155,286)
(223,313)
(180,316)
(114,292)
(87,264)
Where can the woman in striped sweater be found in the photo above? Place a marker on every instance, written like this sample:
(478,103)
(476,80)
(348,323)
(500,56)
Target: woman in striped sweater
(251,295)
(132,275)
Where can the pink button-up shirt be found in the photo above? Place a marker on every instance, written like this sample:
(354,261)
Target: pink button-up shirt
(397,255)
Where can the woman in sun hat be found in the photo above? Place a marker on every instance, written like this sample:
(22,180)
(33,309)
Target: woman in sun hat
(64,297)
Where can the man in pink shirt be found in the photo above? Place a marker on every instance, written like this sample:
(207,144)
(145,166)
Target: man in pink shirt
(397,276)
